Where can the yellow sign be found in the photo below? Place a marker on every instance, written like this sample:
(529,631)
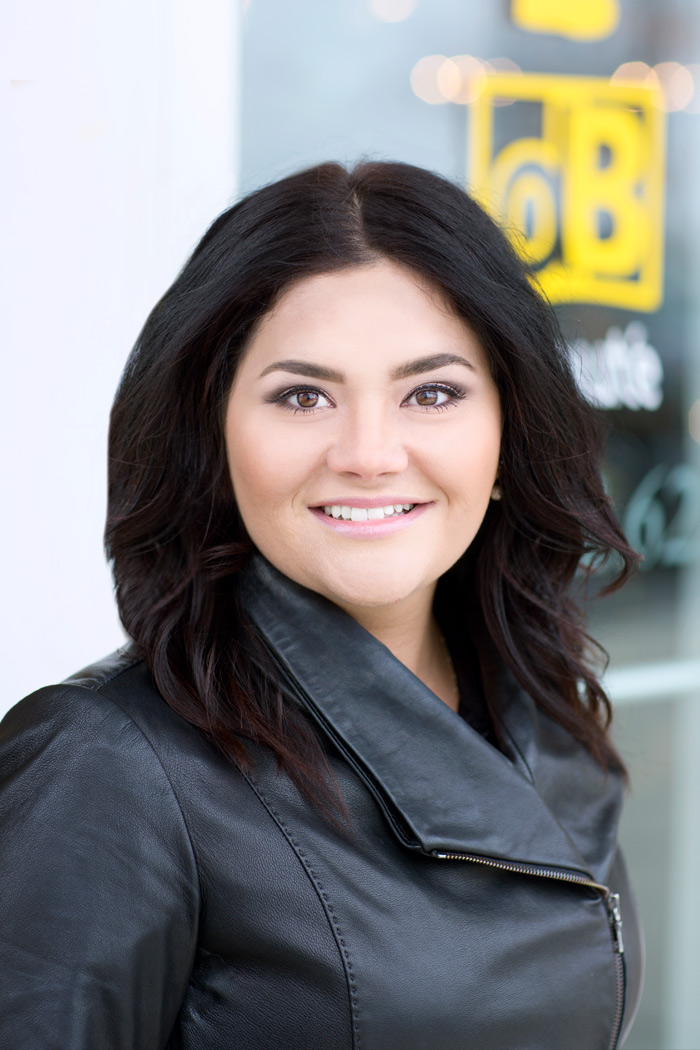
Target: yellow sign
(575,19)
(584,200)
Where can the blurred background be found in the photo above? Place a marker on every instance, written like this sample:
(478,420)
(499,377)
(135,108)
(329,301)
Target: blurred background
(575,122)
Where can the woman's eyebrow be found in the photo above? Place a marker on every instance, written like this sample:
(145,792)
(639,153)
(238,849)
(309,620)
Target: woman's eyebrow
(305,368)
(330,375)
(427,364)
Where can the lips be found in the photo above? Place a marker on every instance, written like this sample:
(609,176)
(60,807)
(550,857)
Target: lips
(368,518)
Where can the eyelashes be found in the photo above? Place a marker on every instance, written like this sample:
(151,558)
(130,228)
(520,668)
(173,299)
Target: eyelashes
(429,397)
(308,394)
(430,394)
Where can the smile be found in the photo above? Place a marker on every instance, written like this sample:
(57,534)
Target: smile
(364,523)
(367,513)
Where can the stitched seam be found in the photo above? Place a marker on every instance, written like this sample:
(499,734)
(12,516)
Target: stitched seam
(172,789)
(327,907)
(519,751)
(67,689)
(97,685)
(516,747)
(113,677)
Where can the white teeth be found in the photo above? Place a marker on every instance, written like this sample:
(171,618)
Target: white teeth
(347,513)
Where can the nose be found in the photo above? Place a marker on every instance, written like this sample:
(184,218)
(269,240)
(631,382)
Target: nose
(368,444)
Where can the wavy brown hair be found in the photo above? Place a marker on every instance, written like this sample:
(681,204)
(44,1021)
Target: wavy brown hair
(174,535)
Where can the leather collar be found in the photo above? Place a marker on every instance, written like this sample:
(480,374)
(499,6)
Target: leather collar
(441,785)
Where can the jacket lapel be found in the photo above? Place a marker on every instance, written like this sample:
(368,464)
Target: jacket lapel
(441,785)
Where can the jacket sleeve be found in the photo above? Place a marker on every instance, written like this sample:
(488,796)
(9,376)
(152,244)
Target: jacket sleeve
(98,884)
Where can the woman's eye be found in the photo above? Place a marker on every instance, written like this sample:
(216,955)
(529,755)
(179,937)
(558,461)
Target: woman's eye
(434,397)
(303,399)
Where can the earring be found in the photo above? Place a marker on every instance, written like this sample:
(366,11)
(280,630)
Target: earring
(496,492)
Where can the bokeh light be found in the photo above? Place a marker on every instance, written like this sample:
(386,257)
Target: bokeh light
(677,85)
(502,65)
(392,10)
(424,79)
(462,82)
(437,79)
(449,80)
(633,73)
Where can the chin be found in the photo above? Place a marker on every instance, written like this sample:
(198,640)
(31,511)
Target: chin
(372,589)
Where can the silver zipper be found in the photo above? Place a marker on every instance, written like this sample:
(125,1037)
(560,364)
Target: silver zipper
(612,903)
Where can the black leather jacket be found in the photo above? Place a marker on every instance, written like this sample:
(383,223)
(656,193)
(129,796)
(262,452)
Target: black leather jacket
(155,897)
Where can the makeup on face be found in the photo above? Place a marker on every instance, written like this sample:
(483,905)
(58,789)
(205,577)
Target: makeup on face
(363,434)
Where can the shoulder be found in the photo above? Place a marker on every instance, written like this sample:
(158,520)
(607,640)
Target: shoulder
(104,740)
(95,719)
(103,685)
(107,734)
(99,874)
(84,773)
(114,700)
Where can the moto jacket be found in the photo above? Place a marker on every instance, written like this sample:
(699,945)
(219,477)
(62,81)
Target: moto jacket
(156,897)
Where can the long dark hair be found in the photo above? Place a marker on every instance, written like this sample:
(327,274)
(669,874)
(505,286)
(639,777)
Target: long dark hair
(174,535)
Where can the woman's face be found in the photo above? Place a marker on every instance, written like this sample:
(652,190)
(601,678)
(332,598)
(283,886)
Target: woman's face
(360,393)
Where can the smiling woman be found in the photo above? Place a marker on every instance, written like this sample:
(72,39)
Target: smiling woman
(393,426)
(351,483)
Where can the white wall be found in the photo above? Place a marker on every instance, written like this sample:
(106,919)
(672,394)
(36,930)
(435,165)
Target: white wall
(123,132)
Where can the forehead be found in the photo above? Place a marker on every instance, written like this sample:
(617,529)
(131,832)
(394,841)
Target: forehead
(379,311)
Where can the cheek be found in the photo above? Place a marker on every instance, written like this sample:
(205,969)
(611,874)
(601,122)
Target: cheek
(466,462)
(265,468)
(255,473)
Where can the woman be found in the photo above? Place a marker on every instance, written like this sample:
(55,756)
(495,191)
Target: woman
(351,784)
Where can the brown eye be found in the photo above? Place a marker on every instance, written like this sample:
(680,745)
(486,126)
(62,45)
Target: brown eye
(435,396)
(307,398)
(302,399)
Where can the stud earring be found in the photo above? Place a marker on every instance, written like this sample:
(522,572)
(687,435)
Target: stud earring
(496,492)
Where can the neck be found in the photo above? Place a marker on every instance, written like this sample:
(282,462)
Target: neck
(410,631)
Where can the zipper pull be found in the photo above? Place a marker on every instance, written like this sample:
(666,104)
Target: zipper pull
(613,903)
